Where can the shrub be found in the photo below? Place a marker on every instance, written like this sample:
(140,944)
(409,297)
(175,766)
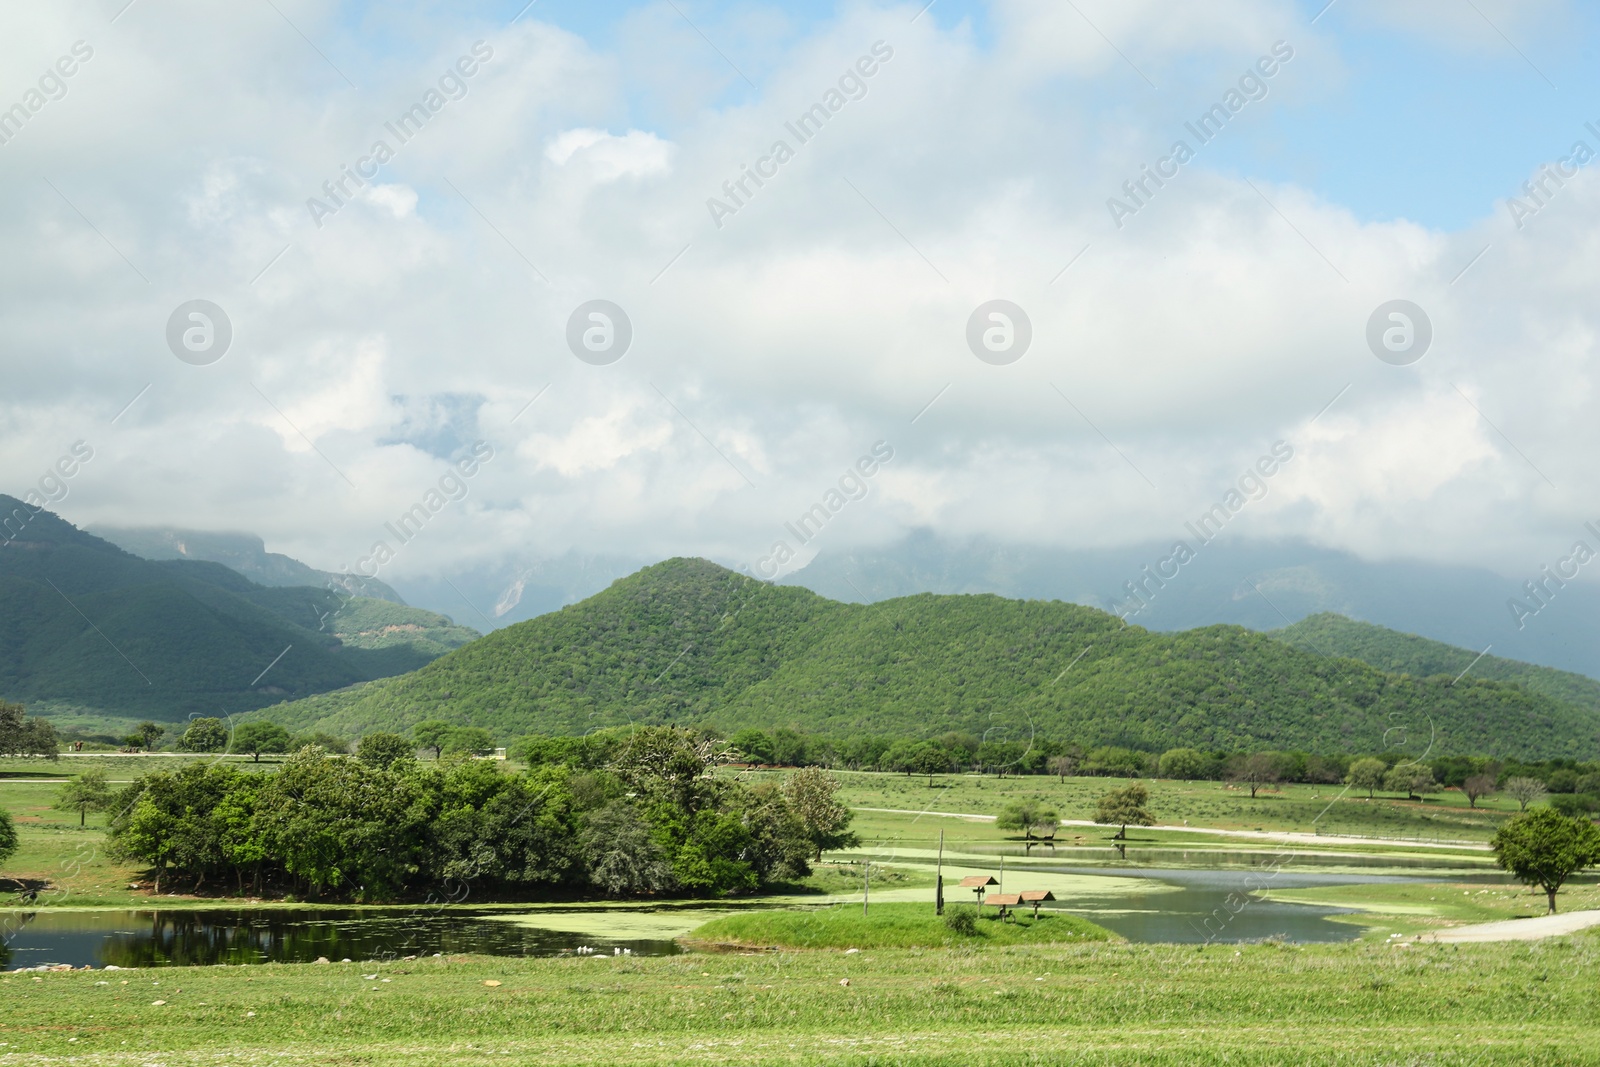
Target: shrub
(961,920)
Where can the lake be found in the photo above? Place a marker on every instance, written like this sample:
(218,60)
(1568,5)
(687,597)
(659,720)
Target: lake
(1182,905)
(235,936)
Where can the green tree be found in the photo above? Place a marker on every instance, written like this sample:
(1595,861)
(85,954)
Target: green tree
(621,853)
(254,738)
(433,734)
(22,736)
(754,745)
(85,793)
(8,836)
(1412,779)
(327,742)
(812,793)
(1367,774)
(1125,807)
(148,733)
(1184,764)
(204,735)
(468,739)
(1024,815)
(929,758)
(1543,847)
(382,750)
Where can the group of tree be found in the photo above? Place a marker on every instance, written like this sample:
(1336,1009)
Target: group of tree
(652,819)
(956,752)
(22,736)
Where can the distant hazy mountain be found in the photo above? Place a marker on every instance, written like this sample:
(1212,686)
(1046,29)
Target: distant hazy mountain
(688,641)
(1261,585)
(89,629)
(242,552)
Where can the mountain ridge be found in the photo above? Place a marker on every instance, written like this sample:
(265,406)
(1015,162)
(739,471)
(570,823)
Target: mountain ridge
(688,641)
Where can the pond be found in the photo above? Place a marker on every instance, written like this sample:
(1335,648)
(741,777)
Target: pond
(283,935)
(1187,906)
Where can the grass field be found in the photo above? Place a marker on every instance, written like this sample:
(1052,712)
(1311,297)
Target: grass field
(1090,1004)
(888,926)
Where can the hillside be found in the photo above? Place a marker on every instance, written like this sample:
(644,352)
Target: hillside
(90,630)
(243,553)
(688,641)
(1420,657)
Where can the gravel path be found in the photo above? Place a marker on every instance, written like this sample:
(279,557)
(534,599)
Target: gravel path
(1520,929)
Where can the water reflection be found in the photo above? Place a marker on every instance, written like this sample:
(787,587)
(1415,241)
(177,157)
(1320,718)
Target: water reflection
(301,935)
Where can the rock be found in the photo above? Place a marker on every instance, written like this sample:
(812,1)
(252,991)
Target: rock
(491,982)
(844,981)
(851,951)
(157,1003)
(322,959)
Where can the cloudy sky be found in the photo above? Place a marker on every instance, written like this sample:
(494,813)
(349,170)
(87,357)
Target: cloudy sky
(382,324)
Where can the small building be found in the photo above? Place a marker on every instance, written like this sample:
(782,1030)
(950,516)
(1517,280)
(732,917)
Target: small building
(978,883)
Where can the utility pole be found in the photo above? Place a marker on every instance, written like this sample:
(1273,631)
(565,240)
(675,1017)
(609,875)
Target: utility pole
(938,887)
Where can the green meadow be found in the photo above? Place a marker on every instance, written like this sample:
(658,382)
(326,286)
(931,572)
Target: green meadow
(1096,1003)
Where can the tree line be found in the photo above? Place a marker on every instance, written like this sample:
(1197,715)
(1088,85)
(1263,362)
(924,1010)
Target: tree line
(651,820)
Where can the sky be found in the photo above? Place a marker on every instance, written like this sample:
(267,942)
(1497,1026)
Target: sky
(302,268)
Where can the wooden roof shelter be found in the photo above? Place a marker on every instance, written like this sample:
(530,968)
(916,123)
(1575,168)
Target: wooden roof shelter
(1036,897)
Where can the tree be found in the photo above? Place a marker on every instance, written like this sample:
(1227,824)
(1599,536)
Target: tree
(1125,807)
(1255,771)
(1543,847)
(825,822)
(148,733)
(1525,791)
(1024,815)
(1412,779)
(8,836)
(622,855)
(929,758)
(1184,764)
(383,750)
(468,739)
(1476,787)
(204,735)
(1367,774)
(1062,766)
(22,736)
(316,738)
(754,745)
(254,738)
(433,734)
(85,793)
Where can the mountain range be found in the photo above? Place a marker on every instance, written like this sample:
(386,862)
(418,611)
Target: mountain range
(688,641)
(92,634)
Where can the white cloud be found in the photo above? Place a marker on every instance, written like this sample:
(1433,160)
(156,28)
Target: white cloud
(821,318)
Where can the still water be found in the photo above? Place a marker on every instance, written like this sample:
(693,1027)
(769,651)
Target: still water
(262,935)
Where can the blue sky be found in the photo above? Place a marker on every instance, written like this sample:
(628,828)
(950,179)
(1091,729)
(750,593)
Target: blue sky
(1427,129)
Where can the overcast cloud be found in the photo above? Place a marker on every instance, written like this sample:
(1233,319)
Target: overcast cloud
(374,343)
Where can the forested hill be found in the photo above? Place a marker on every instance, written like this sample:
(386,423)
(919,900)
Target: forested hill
(688,641)
(1402,653)
(87,627)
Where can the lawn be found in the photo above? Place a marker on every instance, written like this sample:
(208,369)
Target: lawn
(889,925)
(1412,908)
(1092,1003)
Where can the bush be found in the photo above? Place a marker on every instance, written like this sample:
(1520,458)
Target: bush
(961,920)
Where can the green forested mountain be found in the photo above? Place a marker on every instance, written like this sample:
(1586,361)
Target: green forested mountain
(688,641)
(88,628)
(1420,657)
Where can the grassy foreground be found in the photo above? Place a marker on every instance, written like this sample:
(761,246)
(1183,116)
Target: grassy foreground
(1098,1003)
(888,926)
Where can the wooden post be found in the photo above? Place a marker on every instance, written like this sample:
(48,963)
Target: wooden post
(938,885)
(866,869)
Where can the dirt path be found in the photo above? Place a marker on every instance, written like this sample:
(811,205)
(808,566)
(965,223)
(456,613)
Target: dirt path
(1288,836)
(1519,929)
